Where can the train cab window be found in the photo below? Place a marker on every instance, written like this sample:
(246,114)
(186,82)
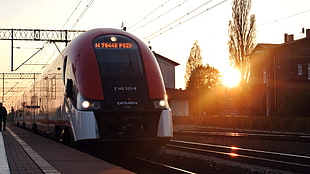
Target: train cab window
(118,55)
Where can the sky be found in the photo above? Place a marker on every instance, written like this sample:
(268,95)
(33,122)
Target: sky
(170,27)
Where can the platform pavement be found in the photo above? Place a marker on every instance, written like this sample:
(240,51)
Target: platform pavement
(4,166)
(22,152)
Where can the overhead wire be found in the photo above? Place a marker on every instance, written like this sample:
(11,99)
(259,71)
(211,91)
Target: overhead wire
(68,19)
(80,16)
(71,14)
(283,18)
(83,12)
(165,29)
(178,19)
(161,15)
(78,19)
(149,14)
(178,22)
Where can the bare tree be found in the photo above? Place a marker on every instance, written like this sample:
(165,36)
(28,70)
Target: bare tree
(194,60)
(242,36)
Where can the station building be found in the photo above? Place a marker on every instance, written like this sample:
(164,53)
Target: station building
(178,98)
(280,78)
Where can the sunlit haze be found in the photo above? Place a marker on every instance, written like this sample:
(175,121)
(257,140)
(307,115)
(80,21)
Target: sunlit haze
(230,77)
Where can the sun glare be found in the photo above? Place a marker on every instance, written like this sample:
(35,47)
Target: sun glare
(231,77)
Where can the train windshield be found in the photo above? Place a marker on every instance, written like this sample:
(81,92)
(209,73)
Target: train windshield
(118,55)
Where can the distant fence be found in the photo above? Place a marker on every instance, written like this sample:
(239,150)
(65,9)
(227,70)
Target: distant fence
(276,123)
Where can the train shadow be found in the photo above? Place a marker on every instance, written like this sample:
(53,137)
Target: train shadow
(121,149)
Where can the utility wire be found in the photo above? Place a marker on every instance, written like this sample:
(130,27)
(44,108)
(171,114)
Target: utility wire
(158,32)
(161,15)
(83,13)
(296,14)
(149,14)
(179,18)
(71,14)
(80,16)
(78,19)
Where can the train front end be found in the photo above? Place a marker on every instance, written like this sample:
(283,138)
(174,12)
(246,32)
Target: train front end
(119,91)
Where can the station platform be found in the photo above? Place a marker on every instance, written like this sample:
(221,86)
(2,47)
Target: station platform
(23,152)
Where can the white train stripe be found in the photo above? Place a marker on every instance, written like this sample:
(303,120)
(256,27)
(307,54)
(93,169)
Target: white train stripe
(4,166)
(45,166)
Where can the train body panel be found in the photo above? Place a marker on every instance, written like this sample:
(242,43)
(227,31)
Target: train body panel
(106,86)
(84,125)
(165,124)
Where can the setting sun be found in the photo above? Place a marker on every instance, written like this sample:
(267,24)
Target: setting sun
(230,77)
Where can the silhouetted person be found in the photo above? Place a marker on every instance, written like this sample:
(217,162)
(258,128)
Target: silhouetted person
(12,110)
(3,116)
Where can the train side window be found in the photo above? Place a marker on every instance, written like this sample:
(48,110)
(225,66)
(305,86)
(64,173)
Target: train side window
(53,88)
(69,88)
(64,69)
(299,66)
(308,71)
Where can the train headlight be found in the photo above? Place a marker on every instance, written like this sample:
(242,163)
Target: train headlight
(113,39)
(161,103)
(85,104)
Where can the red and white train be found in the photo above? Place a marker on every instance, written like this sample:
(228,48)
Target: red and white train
(105,86)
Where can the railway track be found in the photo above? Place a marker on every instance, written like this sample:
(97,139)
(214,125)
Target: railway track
(250,160)
(141,165)
(250,134)
(283,161)
(150,165)
(146,165)
(163,168)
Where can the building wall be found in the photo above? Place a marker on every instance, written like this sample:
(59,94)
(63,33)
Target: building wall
(179,102)
(178,99)
(293,78)
(168,72)
(280,79)
(261,80)
(180,107)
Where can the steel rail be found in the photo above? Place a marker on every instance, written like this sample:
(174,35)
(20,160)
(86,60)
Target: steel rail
(243,149)
(165,166)
(221,150)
